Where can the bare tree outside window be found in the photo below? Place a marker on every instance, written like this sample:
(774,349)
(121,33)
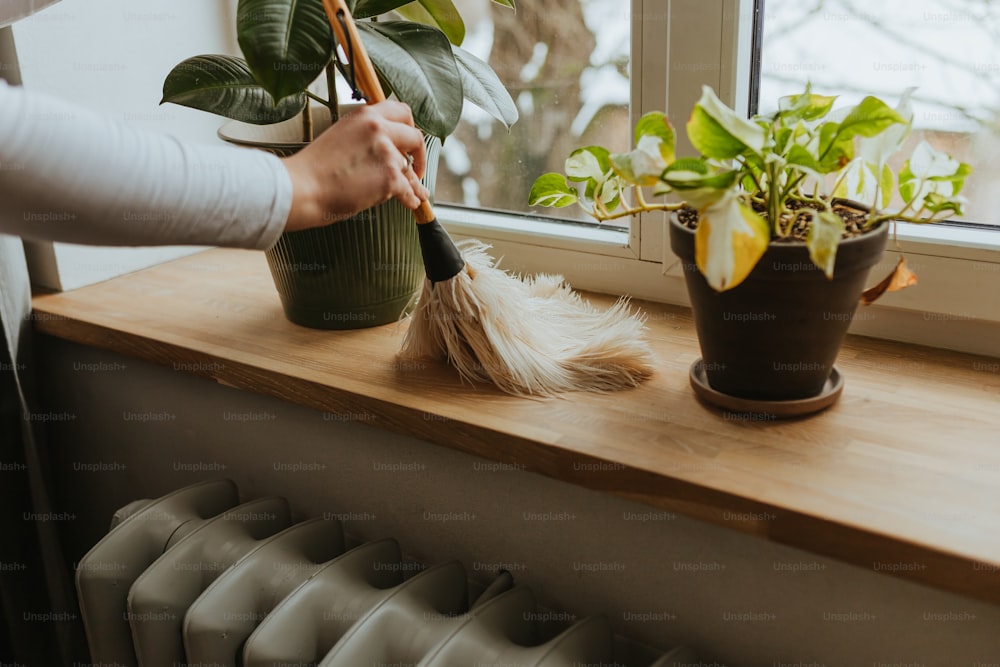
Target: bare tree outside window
(947,50)
(566,64)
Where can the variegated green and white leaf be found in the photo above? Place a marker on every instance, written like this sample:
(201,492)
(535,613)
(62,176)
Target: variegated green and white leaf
(552,190)
(584,164)
(719,132)
(929,171)
(824,236)
(858,182)
(643,165)
(877,150)
(610,193)
(926,162)
(656,124)
(804,106)
(729,241)
(688,174)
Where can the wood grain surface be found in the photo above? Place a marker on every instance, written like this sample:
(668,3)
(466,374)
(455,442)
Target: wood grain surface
(902,476)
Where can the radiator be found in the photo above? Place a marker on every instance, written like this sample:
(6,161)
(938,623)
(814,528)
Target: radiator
(195,578)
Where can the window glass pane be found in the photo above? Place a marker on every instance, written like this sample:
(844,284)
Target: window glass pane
(565,63)
(948,49)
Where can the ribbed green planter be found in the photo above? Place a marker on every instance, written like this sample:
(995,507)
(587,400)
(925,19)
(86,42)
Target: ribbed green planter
(356,273)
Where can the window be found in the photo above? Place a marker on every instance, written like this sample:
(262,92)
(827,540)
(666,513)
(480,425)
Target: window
(567,67)
(947,50)
(676,46)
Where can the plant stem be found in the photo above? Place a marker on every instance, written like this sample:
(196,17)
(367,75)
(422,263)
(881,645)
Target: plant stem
(331,85)
(898,215)
(640,198)
(307,124)
(840,180)
(638,209)
(791,187)
(316,98)
(774,200)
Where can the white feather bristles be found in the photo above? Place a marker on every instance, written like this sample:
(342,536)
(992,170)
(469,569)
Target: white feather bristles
(531,336)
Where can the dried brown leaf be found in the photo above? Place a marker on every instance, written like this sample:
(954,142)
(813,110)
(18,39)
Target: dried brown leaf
(900,278)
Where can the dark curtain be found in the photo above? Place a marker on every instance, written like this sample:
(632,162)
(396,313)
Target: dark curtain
(40,620)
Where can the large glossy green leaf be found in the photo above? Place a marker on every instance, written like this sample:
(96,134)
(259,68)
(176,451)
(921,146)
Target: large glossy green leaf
(482,87)
(440,13)
(418,63)
(224,85)
(363,9)
(286,42)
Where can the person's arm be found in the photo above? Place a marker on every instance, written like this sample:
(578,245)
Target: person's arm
(67,174)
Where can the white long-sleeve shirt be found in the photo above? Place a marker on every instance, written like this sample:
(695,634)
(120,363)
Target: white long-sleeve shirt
(68,174)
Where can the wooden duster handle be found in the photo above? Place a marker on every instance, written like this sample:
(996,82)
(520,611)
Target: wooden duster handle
(364,71)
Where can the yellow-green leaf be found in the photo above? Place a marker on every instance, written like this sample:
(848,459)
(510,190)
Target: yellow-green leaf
(552,190)
(656,124)
(719,132)
(729,241)
(824,236)
(871,117)
(887,183)
(643,165)
(805,106)
(439,13)
(590,163)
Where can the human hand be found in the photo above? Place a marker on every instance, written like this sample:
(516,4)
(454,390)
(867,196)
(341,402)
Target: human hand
(361,161)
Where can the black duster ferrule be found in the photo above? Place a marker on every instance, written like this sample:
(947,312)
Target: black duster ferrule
(442,260)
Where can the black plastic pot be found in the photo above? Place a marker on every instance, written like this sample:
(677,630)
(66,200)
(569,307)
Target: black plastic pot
(355,273)
(776,335)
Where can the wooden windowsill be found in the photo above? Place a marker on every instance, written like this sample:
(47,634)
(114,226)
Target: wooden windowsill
(902,476)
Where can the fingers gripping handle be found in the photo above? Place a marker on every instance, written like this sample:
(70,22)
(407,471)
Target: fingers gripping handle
(442,260)
(364,71)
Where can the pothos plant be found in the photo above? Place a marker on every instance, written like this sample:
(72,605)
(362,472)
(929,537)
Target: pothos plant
(288,44)
(765,179)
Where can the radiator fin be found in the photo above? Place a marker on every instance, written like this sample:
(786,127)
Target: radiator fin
(193,579)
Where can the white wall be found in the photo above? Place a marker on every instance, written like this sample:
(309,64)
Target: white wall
(112,56)
(128,430)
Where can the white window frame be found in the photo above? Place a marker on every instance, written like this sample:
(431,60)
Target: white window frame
(678,46)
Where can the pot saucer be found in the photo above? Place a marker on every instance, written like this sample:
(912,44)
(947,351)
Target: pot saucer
(763,409)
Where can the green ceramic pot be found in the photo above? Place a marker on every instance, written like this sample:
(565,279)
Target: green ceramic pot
(356,273)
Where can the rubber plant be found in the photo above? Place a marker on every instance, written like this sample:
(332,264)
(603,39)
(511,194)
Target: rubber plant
(776,178)
(288,44)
